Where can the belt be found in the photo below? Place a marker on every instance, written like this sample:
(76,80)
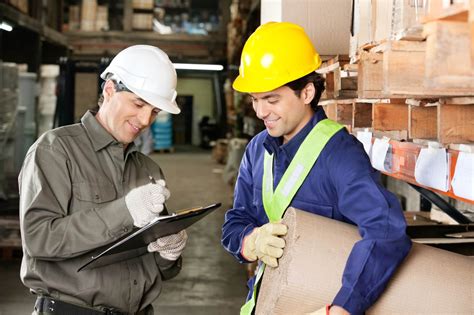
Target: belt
(48,305)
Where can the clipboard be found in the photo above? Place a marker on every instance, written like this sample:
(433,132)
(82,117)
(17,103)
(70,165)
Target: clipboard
(135,243)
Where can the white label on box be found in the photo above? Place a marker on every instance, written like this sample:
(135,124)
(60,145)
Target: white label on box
(463,180)
(432,168)
(379,154)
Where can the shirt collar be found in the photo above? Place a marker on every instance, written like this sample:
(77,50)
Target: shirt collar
(100,137)
(273,144)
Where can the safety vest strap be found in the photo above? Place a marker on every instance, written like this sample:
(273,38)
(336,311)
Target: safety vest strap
(275,203)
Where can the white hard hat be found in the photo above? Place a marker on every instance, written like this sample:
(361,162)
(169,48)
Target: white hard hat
(148,72)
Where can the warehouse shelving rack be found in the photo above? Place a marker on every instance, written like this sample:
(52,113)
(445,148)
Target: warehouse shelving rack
(409,92)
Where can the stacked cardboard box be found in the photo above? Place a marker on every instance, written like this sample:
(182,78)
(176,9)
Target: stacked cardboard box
(142,21)
(88,15)
(102,18)
(143,4)
(74,17)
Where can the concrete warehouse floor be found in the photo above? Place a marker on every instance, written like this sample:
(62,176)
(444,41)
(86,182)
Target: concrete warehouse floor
(211,281)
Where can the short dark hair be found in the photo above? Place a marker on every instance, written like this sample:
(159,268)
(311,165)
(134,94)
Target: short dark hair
(119,87)
(298,85)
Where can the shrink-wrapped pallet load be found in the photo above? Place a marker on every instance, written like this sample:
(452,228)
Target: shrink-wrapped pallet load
(429,281)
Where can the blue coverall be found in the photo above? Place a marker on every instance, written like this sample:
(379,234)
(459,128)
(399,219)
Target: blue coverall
(342,185)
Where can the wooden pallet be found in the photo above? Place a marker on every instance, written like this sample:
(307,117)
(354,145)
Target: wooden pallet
(164,150)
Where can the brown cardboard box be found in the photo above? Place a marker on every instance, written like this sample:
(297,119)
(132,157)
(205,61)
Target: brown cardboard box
(142,21)
(430,280)
(143,4)
(102,18)
(88,15)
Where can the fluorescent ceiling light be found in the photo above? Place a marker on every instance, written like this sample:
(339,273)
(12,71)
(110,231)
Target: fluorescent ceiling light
(195,66)
(6,27)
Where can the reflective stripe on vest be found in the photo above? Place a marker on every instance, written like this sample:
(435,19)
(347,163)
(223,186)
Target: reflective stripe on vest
(276,202)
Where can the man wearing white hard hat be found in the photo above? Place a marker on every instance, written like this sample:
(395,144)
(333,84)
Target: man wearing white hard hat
(85,185)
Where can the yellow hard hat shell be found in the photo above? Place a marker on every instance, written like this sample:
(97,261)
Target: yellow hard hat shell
(275,54)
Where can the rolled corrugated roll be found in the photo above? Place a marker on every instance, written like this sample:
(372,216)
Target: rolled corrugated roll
(429,281)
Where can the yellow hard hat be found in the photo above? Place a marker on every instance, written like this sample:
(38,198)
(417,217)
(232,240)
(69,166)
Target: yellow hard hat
(275,54)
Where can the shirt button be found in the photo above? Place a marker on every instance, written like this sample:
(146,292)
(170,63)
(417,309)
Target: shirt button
(125,229)
(135,282)
(96,197)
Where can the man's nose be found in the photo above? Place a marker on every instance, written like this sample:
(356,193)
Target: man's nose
(261,109)
(145,115)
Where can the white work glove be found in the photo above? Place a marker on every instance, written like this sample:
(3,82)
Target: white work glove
(170,247)
(146,202)
(265,243)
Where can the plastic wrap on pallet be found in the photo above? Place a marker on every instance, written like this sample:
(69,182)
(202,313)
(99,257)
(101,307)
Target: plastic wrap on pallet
(162,131)
(26,135)
(47,97)
(8,109)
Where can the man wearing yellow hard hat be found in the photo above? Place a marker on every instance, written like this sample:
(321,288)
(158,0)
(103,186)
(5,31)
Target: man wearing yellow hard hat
(309,162)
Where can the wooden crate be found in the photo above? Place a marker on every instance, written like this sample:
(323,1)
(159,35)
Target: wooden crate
(391,116)
(339,111)
(422,122)
(74,17)
(403,68)
(333,83)
(143,4)
(88,15)
(448,11)
(102,19)
(404,73)
(370,73)
(361,115)
(471,30)
(448,57)
(142,21)
(455,123)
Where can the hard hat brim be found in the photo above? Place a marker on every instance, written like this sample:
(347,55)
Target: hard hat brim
(259,85)
(157,101)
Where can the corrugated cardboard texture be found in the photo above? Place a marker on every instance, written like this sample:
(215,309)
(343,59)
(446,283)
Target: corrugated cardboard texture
(327,22)
(430,281)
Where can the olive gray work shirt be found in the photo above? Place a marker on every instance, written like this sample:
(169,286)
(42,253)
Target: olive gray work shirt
(72,187)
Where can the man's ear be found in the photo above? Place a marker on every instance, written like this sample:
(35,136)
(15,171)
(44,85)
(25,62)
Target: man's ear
(308,93)
(108,90)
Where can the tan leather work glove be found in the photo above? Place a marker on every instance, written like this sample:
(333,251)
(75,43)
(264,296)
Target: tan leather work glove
(170,247)
(330,310)
(265,243)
